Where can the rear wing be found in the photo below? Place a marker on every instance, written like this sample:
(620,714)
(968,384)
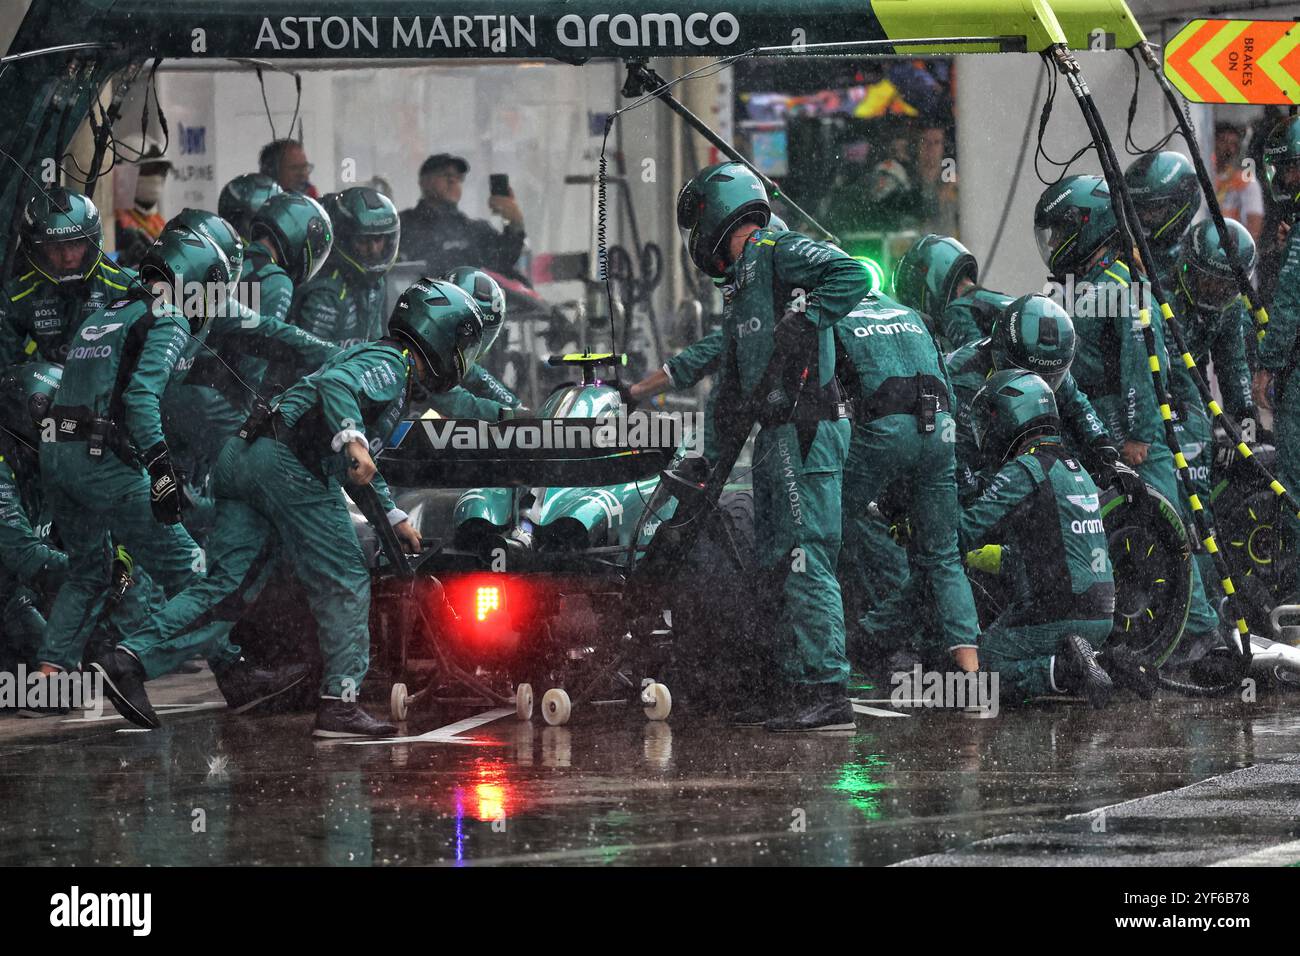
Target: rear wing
(530,452)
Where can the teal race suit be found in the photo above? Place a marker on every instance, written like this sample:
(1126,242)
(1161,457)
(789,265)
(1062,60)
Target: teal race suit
(1279,352)
(968,368)
(1111,366)
(799,465)
(970,317)
(107,413)
(278,496)
(1044,511)
(32,567)
(38,317)
(891,367)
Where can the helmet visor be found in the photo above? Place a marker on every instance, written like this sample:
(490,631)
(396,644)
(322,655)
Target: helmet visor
(1052,376)
(374,254)
(1055,239)
(1283,178)
(1210,290)
(1160,220)
(68,259)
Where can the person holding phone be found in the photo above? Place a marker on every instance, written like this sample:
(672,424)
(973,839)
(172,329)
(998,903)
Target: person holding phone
(437,231)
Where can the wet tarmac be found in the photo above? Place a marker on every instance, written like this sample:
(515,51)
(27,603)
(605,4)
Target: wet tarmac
(1173,781)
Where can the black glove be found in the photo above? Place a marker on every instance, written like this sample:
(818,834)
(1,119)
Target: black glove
(164,485)
(1128,481)
(1107,454)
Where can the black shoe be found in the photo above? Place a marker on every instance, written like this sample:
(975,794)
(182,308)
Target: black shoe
(752,715)
(825,709)
(245,685)
(338,718)
(1077,671)
(46,710)
(1219,667)
(1126,669)
(123,676)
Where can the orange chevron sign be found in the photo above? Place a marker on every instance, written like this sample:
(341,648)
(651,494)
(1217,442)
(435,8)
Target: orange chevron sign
(1236,61)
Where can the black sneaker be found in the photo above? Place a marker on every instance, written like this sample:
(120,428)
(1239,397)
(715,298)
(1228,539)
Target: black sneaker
(245,685)
(1077,671)
(123,676)
(338,718)
(826,709)
(1126,669)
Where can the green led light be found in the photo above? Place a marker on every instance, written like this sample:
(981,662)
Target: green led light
(877,273)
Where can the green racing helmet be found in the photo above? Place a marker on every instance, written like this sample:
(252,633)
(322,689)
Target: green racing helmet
(1072,220)
(179,257)
(215,228)
(487,292)
(1013,405)
(1204,271)
(242,197)
(927,276)
(1034,334)
(59,217)
(1166,194)
(1282,161)
(444,324)
(361,214)
(300,231)
(712,204)
(26,394)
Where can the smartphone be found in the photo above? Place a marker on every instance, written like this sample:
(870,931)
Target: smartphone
(499,184)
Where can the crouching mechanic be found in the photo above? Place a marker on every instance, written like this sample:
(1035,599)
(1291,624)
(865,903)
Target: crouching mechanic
(480,395)
(783,294)
(64,279)
(1035,334)
(1044,512)
(278,494)
(106,465)
(32,567)
(890,366)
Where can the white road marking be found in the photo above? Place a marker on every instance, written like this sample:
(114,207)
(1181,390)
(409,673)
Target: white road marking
(1163,793)
(448,734)
(166,709)
(876,711)
(1284,854)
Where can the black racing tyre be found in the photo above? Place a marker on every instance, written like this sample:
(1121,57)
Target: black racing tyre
(720,609)
(1248,520)
(1151,554)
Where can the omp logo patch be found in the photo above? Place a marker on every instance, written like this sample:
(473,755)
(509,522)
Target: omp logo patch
(92,332)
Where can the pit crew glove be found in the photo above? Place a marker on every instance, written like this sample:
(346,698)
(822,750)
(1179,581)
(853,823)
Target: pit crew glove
(164,485)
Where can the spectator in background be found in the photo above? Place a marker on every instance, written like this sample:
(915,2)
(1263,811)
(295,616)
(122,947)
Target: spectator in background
(285,161)
(138,225)
(436,230)
(1237,186)
(938,196)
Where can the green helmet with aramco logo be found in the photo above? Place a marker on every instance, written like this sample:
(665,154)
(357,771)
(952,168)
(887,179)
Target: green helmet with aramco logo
(360,214)
(1204,271)
(1166,194)
(57,216)
(299,230)
(488,294)
(1035,334)
(443,323)
(927,276)
(1072,220)
(1282,161)
(1013,405)
(712,204)
(242,197)
(26,394)
(217,229)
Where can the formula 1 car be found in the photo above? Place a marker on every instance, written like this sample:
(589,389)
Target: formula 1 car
(522,582)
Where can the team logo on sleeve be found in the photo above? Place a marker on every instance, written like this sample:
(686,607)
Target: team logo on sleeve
(93,332)
(1086,502)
